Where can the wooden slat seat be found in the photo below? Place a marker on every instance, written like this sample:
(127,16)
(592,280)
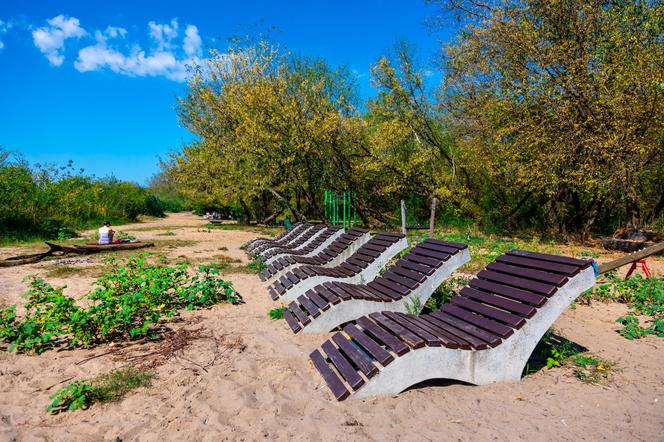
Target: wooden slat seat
(358,265)
(393,290)
(466,338)
(290,236)
(355,236)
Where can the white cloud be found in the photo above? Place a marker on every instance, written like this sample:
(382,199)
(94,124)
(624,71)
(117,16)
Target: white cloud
(163,34)
(50,40)
(164,59)
(192,42)
(4,28)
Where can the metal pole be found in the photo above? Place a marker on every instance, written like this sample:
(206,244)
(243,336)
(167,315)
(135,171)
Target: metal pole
(344,209)
(432,220)
(403,217)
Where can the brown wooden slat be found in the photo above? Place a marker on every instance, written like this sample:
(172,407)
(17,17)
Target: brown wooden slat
(456,245)
(419,268)
(309,305)
(471,329)
(369,252)
(506,304)
(317,299)
(515,281)
(537,275)
(291,321)
(338,291)
(286,281)
(489,311)
(438,248)
(384,291)
(509,292)
(404,334)
(273,293)
(409,274)
(439,256)
(547,266)
(383,336)
(429,339)
(335,384)
(422,260)
(374,247)
(493,327)
(398,288)
(331,297)
(279,287)
(343,366)
(470,341)
(299,314)
(449,340)
(396,278)
(369,345)
(354,355)
(553,258)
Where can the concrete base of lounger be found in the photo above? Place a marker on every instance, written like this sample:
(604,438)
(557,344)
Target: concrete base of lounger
(314,252)
(348,310)
(337,260)
(504,363)
(366,275)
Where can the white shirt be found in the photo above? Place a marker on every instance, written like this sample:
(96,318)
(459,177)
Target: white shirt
(104,235)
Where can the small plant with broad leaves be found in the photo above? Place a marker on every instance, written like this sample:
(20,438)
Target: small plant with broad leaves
(645,298)
(277,313)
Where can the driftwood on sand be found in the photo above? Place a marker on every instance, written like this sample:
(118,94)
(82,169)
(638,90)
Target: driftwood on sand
(59,250)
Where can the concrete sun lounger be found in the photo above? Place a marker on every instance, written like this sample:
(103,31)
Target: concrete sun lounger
(362,266)
(411,280)
(307,232)
(276,238)
(283,239)
(301,243)
(332,255)
(483,335)
(312,248)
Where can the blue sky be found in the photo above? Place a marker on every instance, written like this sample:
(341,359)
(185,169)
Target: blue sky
(95,82)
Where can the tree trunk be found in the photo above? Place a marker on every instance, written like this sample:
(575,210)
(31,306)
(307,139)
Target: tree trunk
(632,210)
(270,219)
(297,213)
(246,219)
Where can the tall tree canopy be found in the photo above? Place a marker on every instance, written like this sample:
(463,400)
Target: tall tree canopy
(549,116)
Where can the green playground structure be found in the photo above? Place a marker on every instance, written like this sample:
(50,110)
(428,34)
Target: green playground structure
(340,208)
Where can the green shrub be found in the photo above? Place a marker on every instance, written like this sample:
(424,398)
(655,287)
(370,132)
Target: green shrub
(277,313)
(125,303)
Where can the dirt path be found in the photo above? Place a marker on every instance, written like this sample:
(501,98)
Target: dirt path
(270,390)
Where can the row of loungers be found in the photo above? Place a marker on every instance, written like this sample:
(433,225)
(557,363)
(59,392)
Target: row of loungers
(483,335)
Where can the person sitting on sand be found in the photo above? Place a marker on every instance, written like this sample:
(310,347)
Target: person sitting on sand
(106,234)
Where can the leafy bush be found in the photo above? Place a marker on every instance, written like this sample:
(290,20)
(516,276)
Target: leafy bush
(277,313)
(104,388)
(51,202)
(125,303)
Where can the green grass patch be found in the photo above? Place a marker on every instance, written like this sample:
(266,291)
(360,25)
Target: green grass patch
(166,233)
(276,313)
(592,369)
(107,387)
(66,271)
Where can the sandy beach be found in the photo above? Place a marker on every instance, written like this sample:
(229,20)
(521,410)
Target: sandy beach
(249,377)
